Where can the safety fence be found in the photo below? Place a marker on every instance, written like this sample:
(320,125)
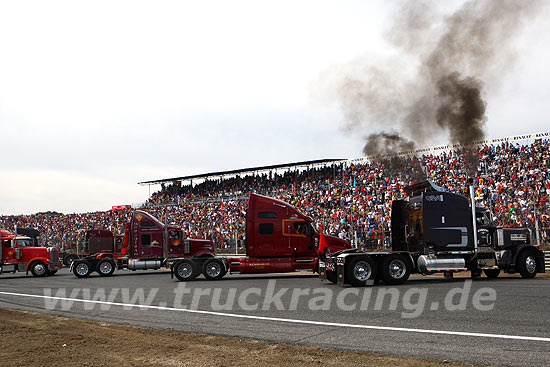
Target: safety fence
(547,260)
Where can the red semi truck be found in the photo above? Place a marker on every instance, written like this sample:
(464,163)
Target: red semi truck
(279,239)
(147,244)
(19,253)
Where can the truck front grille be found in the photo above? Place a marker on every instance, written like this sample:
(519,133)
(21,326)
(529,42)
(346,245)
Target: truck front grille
(54,256)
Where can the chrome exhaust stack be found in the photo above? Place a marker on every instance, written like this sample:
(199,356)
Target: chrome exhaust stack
(474,223)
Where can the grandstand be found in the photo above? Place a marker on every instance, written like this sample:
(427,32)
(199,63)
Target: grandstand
(352,198)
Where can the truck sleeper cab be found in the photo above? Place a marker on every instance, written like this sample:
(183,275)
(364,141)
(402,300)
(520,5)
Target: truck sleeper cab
(435,231)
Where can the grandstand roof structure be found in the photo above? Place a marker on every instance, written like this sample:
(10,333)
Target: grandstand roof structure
(325,161)
(242,170)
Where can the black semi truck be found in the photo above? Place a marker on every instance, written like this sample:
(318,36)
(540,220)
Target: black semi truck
(435,231)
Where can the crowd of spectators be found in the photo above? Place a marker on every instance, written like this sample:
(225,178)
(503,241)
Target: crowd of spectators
(351,199)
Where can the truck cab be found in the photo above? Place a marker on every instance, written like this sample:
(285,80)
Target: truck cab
(277,229)
(149,238)
(279,239)
(18,253)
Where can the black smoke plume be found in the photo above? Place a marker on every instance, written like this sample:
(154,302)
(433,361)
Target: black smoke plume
(436,82)
(386,143)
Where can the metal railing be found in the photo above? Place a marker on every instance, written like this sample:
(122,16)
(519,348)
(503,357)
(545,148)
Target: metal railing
(547,260)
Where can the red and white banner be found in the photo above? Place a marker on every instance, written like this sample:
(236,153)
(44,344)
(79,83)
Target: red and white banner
(120,207)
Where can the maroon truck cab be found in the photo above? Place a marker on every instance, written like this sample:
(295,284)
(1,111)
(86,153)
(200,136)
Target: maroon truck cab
(149,238)
(17,253)
(280,239)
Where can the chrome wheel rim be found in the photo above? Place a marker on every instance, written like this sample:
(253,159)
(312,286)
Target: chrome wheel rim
(39,269)
(397,269)
(82,269)
(185,270)
(530,264)
(362,270)
(105,267)
(213,269)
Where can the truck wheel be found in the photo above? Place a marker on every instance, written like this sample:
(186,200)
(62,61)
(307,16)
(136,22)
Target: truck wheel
(186,270)
(213,269)
(491,273)
(106,267)
(394,270)
(69,259)
(331,276)
(360,270)
(81,268)
(38,269)
(527,264)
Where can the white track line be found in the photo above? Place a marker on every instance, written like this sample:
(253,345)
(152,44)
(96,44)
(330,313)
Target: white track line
(292,321)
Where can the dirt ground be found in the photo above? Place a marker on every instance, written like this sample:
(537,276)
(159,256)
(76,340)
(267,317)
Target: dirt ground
(42,340)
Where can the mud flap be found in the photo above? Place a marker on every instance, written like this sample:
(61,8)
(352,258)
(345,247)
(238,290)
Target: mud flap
(172,270)
(340,270)
(541,262)
(322,271)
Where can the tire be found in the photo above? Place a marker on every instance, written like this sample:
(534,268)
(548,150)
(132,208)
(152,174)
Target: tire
(186,270)
(213,269)
(51,272)
(39,269)
(394,270)
(69,259)
(360,270)
(106,267)
(331,276)
(491,273)
(526,264)
(82,269)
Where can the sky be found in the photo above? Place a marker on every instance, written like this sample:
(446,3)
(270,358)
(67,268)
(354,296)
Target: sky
(98,96)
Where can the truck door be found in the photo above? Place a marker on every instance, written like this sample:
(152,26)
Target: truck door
(268,240)
(298,235)
(7,251)
(149,239)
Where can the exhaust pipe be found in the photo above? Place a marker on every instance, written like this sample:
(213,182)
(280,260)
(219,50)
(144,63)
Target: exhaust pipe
(474,223)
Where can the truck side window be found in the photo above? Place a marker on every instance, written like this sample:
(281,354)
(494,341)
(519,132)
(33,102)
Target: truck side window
(267,215)
(266,228)
(145,240)
(7,243)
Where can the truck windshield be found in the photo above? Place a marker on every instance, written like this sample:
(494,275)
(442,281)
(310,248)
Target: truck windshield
(24,242)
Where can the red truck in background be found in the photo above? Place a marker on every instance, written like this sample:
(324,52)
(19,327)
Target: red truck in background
(19,253)
(279,239)
(147,244)
(97,242)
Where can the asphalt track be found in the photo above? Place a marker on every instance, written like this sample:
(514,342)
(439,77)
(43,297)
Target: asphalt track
(515,332)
